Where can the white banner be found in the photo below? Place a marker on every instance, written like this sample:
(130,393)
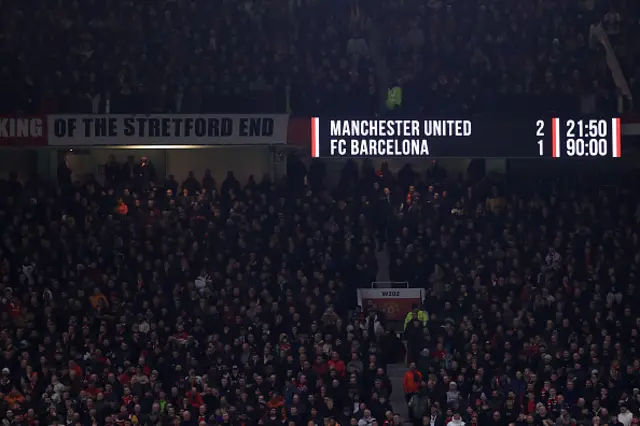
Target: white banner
(167,129)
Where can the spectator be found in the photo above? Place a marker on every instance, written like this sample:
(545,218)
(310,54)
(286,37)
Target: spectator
(418,404)
(625,417)
(457,420)
(416,314)
(121,207)
(367,419)
(412,381)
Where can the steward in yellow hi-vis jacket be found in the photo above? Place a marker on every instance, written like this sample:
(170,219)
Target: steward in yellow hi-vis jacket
(416,313)
(394,97)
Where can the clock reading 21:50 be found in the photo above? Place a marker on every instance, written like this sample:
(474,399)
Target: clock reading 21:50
(587,138)
(587,128)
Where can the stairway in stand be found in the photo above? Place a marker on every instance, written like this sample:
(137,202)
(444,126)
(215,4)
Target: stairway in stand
(396,373)
(382,257)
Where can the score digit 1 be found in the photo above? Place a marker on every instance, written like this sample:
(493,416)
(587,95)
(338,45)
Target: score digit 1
(540,135)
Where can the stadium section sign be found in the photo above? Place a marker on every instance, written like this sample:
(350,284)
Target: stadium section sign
(167,129)
(394,302)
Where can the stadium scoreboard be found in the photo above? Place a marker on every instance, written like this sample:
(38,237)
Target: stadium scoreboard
(516,138)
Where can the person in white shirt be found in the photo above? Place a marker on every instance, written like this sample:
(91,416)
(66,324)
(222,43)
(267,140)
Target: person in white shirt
(366,419)
(456,421)
(625,417)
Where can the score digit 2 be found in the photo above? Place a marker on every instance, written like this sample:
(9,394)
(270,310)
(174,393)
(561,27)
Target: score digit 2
(540,135)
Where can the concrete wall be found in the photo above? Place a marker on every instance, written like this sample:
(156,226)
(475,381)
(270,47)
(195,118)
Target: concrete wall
(243,161)
(24,162)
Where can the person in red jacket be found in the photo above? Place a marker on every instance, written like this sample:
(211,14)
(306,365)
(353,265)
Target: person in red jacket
(122,208)
(411,381)
(195,399)
(277,403)
(320,367)
(337,364)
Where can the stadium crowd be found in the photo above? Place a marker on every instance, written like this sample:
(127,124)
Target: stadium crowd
(531,295)
(201,303)
(310,56)
(143,301)
(182,56)
(127,303)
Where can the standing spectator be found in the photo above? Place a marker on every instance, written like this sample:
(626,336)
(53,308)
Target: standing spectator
(416,314)
(412,381)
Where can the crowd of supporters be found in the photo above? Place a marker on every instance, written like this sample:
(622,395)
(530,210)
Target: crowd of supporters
(132,302)
(476,56)
(531,295)
(139,300)
(184,56)
(137,303)
(310,56)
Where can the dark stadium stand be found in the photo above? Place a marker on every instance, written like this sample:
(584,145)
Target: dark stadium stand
(135,300)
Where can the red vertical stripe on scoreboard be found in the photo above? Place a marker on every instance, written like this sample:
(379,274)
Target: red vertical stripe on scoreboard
(314,142)
(554,136)
(618,140)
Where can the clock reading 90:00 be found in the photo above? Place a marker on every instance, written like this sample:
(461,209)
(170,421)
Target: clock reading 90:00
(590,147)
(587,138)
